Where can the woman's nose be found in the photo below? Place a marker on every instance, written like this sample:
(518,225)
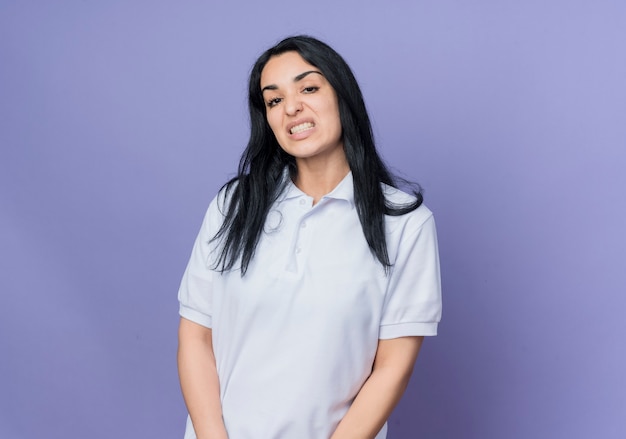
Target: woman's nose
(293,105)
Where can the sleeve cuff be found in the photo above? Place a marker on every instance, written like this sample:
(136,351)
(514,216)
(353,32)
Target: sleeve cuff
(195,316)
(407,330)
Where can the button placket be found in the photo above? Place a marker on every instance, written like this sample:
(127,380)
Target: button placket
(300,237)
(303,235)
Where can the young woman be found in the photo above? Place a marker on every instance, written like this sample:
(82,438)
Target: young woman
(313,279)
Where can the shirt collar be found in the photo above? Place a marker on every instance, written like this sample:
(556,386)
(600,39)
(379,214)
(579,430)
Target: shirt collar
(343,191)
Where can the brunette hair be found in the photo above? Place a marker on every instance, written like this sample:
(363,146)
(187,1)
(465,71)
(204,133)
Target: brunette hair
(260,178)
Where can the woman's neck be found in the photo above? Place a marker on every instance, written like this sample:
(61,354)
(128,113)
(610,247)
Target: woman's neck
(317,179)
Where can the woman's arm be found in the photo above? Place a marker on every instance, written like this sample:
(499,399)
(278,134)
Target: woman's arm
(198,380)
(383,389)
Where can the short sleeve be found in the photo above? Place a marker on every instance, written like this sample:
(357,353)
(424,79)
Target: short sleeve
(413,298)
(195,292)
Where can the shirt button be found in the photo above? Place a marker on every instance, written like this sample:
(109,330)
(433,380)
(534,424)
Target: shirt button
(303,225)
(298,250)
(302,201)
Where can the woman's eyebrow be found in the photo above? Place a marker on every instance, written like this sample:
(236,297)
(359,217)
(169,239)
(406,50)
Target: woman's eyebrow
(302,75)
(295,79)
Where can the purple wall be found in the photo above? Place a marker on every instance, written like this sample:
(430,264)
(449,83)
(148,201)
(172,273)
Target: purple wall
(119,120)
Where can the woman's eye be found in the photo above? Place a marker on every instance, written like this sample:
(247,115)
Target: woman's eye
(273,102)
(310,89)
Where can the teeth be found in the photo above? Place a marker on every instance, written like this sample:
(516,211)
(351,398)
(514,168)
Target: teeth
(302,127)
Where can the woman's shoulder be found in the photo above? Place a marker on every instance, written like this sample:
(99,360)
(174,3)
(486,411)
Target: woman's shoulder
(224,196)
(394,195)
(219,204)
(397,198)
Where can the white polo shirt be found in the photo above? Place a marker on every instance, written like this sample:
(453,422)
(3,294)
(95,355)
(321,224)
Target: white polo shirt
(295,338)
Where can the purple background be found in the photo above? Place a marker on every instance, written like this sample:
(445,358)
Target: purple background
(119,120)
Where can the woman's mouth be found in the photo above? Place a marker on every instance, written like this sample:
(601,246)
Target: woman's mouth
(301,127)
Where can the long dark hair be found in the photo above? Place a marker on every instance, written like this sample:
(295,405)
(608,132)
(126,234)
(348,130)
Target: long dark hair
(260,178)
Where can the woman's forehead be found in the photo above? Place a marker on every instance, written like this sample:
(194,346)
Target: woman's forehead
(285,68)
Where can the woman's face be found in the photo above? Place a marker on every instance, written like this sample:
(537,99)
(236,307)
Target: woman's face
(302,109)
